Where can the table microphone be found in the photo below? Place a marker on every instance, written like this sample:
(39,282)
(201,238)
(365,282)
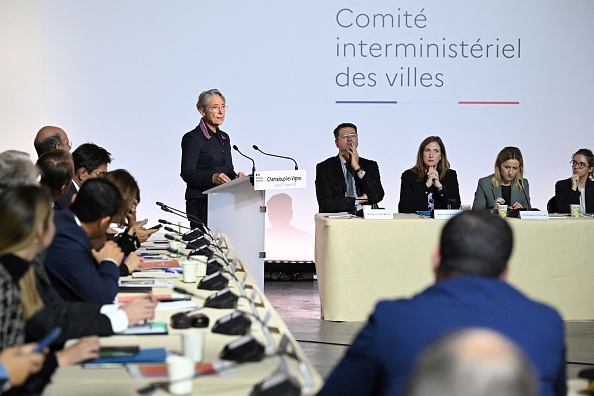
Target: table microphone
(277,156)
(524,191)
(185,215)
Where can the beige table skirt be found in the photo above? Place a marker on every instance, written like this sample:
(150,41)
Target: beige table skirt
(359,262)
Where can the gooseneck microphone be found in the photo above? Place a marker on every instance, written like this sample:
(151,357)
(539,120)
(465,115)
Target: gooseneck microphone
(185,215)
(277,156)
(251,159)
(525,195)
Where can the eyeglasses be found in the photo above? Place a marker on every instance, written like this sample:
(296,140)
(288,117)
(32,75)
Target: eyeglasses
(350,135)
(579,165)
(68,143)
(97,173)
(218,108)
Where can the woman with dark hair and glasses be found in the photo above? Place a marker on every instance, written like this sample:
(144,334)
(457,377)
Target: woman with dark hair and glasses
(430,184)
(506,186)
(579,188)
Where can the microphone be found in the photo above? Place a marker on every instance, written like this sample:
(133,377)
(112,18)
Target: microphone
(185,215)
(278,156)
(524,191)
(191,235)
(190,245)
(251,159)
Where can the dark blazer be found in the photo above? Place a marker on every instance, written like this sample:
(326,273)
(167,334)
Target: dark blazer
(414,192)
(485,194)
(202,157)
(65,201)
(331,185)
(383,353)
(72,268)
(564,196)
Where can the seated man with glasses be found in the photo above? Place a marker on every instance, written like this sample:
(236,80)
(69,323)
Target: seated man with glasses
(90,161)
(347,181)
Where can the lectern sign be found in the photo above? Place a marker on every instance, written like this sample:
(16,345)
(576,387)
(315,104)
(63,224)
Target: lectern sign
(271,180)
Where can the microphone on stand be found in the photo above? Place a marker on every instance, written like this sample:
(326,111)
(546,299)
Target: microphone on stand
(186,236)
(525,195)
(253,163)
(278,156)
(185,215)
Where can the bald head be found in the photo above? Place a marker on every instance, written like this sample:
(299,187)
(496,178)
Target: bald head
(475,362)
(49,138)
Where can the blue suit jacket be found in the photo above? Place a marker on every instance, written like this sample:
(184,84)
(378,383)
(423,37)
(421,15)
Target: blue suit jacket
(72,269)
(383,353)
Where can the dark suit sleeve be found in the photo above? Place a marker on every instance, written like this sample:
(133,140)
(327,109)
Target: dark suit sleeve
(413,193)
(190,173)
(359,370)
(74,272)
(449,192)
(328,192)
(371,181)
(565,196)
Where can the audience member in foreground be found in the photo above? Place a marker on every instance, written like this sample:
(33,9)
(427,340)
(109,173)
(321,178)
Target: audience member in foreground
(579,188)
(82,266)
(470,269)
(474,362)
(27,229)
(431,183)
(17,364)
(90,161)
(346,181)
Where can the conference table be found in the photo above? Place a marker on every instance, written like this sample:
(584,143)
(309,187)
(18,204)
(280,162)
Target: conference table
(359,262)
(237,380)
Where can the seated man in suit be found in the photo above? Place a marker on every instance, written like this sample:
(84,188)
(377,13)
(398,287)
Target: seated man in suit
(345,182)
(470,268)
(90,161)
(81,265)
(51,138)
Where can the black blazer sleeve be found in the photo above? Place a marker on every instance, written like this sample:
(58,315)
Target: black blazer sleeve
(565,196)
(449,192)
(371,182)
(413,193)
(330,189)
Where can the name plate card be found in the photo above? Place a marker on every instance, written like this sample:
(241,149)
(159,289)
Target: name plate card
(273,180)
(534,215)
(377,214)
(445,214)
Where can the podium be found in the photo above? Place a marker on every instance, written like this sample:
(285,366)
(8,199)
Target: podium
(239,211)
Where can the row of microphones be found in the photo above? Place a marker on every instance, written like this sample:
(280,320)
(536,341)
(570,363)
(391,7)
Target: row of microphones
(268,154)
(185,215)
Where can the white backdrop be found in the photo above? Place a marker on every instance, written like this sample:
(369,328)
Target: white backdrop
(126,75)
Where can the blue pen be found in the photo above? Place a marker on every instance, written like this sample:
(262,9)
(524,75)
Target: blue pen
(172,271)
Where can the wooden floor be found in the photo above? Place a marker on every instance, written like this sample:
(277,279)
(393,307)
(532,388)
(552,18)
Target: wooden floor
(325,342)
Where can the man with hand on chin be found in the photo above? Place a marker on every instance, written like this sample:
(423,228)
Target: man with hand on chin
(347,181)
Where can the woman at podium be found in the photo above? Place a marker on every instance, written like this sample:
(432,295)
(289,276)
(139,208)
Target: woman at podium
(206,155)
(430,184)
(506,186)
(579,188)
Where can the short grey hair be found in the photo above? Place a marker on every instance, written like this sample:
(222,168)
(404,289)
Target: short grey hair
(477,362)
(204,98)
(17,169)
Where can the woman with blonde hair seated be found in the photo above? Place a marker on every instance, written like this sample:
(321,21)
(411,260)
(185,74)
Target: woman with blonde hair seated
(506,186)
(28,229)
